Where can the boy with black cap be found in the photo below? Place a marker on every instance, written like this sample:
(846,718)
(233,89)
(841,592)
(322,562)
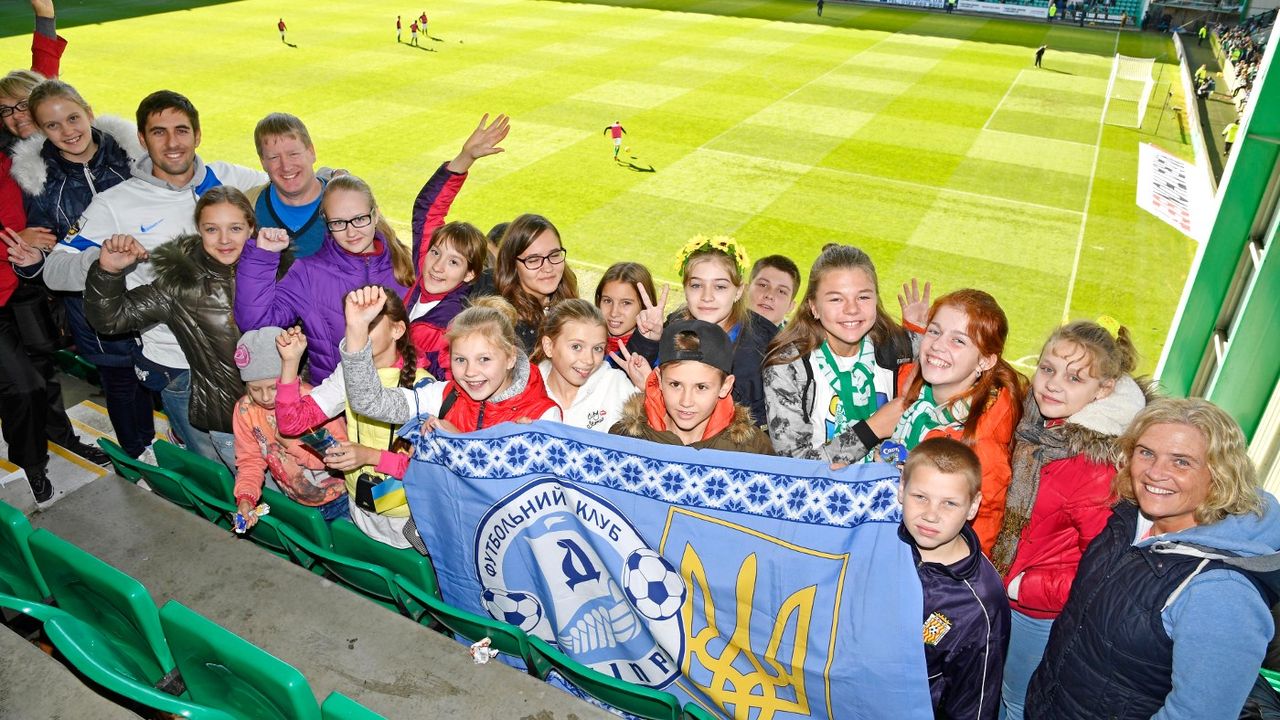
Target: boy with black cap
(687,400)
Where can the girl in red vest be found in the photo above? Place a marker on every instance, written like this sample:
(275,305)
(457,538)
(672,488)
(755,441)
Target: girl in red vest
(493,380)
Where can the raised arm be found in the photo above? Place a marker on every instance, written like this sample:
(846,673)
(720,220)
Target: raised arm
(260,300)
(110,308)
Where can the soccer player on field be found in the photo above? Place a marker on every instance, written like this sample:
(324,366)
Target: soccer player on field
(398,26)
(616,131)
(413,33)
(281,27)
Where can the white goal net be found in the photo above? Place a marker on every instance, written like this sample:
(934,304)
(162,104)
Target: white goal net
(1129,90)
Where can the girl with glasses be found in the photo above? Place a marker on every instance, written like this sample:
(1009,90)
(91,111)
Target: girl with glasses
(531,273)
(359,249)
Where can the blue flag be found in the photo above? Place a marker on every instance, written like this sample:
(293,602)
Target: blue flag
(758,587)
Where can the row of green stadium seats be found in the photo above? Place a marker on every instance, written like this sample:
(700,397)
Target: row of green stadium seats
(105,625)
(400,580)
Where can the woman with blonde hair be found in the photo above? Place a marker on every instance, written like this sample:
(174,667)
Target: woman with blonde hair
(1169,614)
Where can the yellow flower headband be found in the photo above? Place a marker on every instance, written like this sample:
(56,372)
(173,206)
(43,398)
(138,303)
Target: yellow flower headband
(717,243)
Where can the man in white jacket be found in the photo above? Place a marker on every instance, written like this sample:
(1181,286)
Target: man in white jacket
(154,206)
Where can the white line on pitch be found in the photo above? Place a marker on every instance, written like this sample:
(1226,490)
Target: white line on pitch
(1002,99)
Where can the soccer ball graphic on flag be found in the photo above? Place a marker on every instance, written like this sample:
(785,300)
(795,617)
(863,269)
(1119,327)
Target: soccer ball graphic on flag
(514,607)
(652,585)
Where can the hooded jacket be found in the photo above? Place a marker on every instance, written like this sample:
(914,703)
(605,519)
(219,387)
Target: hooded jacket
(192,293)
(57,191)
(153,212)
(730,426)
(598,403)
(1168,627)
(748,360)
(966,631)
(313,290)
(1073,501)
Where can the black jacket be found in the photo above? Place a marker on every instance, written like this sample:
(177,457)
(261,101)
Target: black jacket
(194,295)
(748,360)
(966,631)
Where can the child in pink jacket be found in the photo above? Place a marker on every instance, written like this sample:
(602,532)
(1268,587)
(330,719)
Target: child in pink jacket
(260,448)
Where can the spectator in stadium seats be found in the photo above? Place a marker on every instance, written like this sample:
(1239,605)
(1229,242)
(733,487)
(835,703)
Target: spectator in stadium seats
(82,156)
(570,356)
(831,376)
(618,297)
(493,380)
(714,271)
(1065,453)
(688,399)
(260,446)
(454,256)
(291,200)
(960,387)
(531,273)
(192,293)
(1169,614)
(772,287)
(372,453)
(155,205)
(359,249)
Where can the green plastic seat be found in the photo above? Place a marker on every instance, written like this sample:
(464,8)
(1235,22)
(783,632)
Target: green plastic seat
(628,697)
(37,611)
(503,637)
(304,526)
(209,483)
(115,604)
(694,711)
(340,707)
(126,467)
(1272,677)
(18,573)
(227,672)
(99,660)
(363,564)
(170,486)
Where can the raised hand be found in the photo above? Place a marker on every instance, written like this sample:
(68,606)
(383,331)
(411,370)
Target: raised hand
(915,306)
(20,253)
(120,252)
(482,142)
(291,343)
(635,365)
(42,8)
(273,239)
(363,305)
(39,238)
(649,321)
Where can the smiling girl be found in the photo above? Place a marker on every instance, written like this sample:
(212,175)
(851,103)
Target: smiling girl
(570,356)
(359,249)
(714,273)
(493,380)
(965,390)
(618,297)
(192,293)
(1065,454)
(531,273)
(831,377)
(456,254)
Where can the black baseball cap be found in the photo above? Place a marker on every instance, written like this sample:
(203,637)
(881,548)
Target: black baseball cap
(714,347)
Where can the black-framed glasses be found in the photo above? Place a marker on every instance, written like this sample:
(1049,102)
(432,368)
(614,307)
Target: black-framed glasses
(533,262)
(7,110)
(358,221)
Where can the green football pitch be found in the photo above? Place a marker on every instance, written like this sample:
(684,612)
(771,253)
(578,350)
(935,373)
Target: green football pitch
(929,140)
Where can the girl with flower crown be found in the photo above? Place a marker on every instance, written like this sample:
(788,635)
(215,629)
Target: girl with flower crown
(714,271)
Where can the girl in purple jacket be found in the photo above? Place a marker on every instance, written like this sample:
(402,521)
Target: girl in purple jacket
(359,249)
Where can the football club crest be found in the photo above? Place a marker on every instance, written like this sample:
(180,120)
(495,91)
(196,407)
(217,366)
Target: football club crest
(563,564)
(936,627)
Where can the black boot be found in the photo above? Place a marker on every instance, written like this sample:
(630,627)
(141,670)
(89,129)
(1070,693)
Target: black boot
(41,487)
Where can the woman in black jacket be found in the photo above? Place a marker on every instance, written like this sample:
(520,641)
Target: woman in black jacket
(59,175)
(194,294)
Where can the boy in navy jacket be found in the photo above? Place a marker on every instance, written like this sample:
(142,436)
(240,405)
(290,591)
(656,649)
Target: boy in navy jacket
(966,613)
